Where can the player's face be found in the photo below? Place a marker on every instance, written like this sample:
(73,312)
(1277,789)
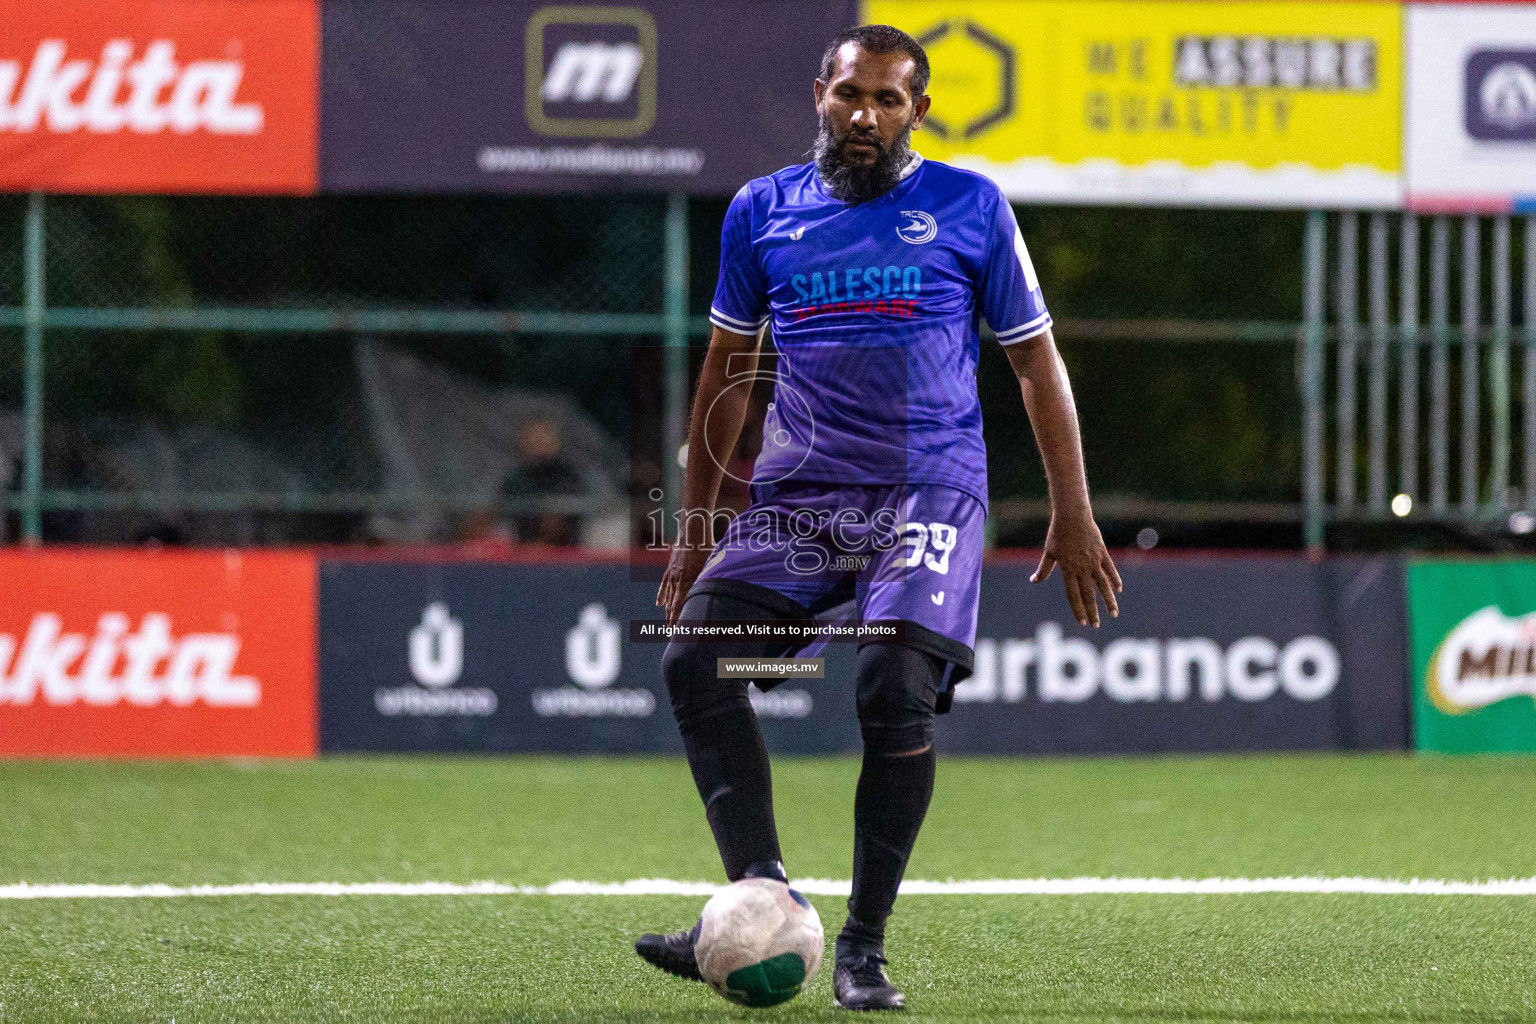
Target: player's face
(867,104)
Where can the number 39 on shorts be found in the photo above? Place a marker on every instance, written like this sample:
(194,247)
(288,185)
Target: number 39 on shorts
(928,544)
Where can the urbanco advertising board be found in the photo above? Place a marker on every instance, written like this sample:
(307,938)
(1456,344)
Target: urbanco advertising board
(1211,654)
(1208,654)
(502,657)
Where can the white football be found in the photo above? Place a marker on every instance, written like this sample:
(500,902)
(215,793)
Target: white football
(760,942)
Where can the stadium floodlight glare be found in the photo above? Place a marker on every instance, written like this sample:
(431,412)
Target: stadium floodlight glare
(1402,505)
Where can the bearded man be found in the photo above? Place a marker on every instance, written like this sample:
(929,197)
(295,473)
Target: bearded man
(874,267)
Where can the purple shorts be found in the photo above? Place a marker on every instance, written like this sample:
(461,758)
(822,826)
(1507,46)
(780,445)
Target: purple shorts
(901,551)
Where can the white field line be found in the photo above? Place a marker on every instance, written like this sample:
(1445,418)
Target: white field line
(813,886)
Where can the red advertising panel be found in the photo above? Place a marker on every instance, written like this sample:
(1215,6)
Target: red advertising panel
(157,654)
(159,95)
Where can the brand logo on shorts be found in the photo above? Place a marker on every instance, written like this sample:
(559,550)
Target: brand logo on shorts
(591,71)
(919,228)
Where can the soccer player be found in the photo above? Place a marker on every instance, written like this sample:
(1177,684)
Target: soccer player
(875,267)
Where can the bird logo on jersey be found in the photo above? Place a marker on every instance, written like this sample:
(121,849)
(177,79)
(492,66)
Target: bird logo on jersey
(919,228)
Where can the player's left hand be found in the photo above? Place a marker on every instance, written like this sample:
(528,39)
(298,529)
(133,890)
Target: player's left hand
(1087,571)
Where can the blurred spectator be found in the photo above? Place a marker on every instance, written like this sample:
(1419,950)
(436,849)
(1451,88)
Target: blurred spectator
(542,471)
(10,472)
(161,533)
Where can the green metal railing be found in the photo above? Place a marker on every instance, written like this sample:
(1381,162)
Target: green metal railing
(1485,471)
(35,317)
(1326,326)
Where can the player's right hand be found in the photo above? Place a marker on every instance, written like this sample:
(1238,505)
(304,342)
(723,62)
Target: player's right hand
(1087,571)
(683,567)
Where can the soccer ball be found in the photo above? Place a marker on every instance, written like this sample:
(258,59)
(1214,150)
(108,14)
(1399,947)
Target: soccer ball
(759,943)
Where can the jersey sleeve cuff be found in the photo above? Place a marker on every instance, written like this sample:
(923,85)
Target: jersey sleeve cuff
(1025,331)
(731,323)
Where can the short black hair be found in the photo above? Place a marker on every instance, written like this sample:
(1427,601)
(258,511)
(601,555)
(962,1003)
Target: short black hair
(880,39)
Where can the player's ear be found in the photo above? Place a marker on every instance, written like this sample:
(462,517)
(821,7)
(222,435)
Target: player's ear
(920,110)
(819,89)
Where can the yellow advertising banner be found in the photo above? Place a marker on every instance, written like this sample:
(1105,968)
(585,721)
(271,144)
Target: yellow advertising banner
(1174,101)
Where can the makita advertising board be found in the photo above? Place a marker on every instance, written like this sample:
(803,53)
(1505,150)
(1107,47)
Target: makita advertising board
(157,654)
(1208,654)
(520,96)
(159,95)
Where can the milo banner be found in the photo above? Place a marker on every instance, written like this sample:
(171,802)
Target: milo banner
(1222,654)
(1175,101)
(525,96)
(1473,625)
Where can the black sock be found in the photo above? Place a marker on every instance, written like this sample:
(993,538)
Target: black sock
(730,767)
(888,811)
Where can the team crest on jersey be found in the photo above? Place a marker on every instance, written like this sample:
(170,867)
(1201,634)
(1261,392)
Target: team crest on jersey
(919,228)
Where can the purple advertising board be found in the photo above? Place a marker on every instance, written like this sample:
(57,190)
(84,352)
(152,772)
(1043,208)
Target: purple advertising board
(418,96)
(1208,654)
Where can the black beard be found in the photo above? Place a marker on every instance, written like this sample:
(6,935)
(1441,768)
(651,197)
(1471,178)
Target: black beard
(860,182)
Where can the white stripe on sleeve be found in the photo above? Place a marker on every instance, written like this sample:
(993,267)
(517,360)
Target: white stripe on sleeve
(1023,332)
(730,323)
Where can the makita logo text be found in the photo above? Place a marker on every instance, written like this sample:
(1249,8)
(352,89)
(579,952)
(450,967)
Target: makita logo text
(144,668)
(150,94)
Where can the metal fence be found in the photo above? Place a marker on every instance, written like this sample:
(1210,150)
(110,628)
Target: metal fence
(105,313)
(1417,414)
(106,320)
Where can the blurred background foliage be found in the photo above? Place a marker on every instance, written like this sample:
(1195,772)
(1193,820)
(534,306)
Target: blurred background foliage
(1161,418)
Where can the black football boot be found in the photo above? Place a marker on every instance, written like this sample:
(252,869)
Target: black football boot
(673,952)
(859,983)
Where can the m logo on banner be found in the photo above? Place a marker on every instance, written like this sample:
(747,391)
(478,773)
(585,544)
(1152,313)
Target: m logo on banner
(590,72)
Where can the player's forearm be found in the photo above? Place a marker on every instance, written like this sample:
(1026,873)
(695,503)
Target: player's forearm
(1053,417)
(713,427)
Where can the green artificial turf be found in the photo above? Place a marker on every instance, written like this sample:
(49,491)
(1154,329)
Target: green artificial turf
(1284,958)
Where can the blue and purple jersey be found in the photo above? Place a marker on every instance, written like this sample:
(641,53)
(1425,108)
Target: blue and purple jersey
(875,309)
